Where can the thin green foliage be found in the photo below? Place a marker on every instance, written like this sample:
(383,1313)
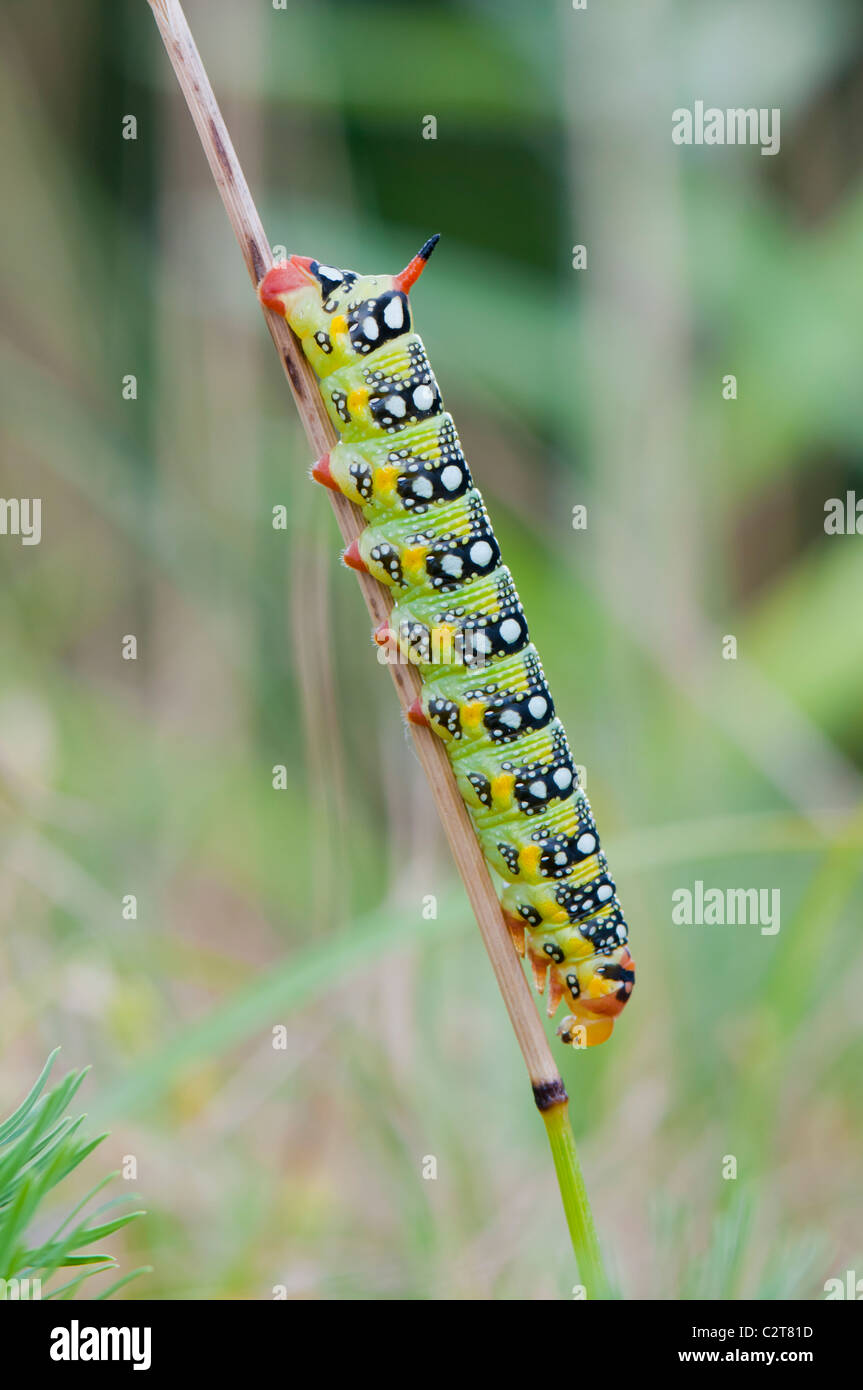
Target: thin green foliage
(40,1145)
(576,1204)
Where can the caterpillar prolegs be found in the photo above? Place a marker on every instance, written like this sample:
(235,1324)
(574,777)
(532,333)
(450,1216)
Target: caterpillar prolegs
(457,615)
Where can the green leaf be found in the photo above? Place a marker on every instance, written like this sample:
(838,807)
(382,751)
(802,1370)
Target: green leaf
(40,1146)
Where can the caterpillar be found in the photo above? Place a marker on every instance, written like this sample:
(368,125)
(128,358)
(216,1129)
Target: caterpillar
(458,618)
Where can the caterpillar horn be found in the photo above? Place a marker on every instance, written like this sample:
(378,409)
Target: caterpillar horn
(407,278)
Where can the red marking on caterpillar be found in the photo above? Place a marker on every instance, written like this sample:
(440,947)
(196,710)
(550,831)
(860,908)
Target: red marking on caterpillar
(416,714)
(407,278)
(321,473)
(353,559)
(290,275)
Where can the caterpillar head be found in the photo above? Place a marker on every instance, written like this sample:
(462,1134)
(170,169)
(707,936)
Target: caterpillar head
(599,989)
(338,315)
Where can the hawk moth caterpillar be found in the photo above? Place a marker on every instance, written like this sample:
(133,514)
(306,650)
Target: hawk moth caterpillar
(458,617)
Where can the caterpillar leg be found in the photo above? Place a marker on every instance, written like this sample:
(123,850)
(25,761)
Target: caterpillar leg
(353,559)
(581,1032)
(417,715)
(555,994)
(322,473)
(516,930)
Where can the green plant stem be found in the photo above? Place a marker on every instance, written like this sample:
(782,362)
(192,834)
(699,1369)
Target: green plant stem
(576,1205)
(246,222)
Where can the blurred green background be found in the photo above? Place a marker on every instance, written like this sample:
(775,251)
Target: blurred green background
(301,909)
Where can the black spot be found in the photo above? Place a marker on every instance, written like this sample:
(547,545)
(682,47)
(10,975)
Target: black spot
(327,282)
(445,713)
(389,560)
(510,716)
(530,914)
(509,855)
(621,973)
(607,932)
(482,787)
(419,499)
(340,401)
(375,309)
(416,638)
(583,900)
(381,404)
(362,479)
(463,549)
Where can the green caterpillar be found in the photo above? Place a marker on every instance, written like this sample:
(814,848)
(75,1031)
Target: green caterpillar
(458,617)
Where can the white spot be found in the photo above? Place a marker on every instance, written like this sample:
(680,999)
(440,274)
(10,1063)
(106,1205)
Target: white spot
(481,643)
(423,397)
(537,789)
(480,552)
(585,843)
(510,631)
(422,488)
(370,328)
(511,718)
(452,565)
(604,892)
(395,405)
(450,477)
(537,706)
(563,778)
(330,273)
(394,314)
(560,858)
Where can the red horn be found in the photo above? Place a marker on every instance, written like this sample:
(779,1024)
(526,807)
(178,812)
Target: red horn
(408,277)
